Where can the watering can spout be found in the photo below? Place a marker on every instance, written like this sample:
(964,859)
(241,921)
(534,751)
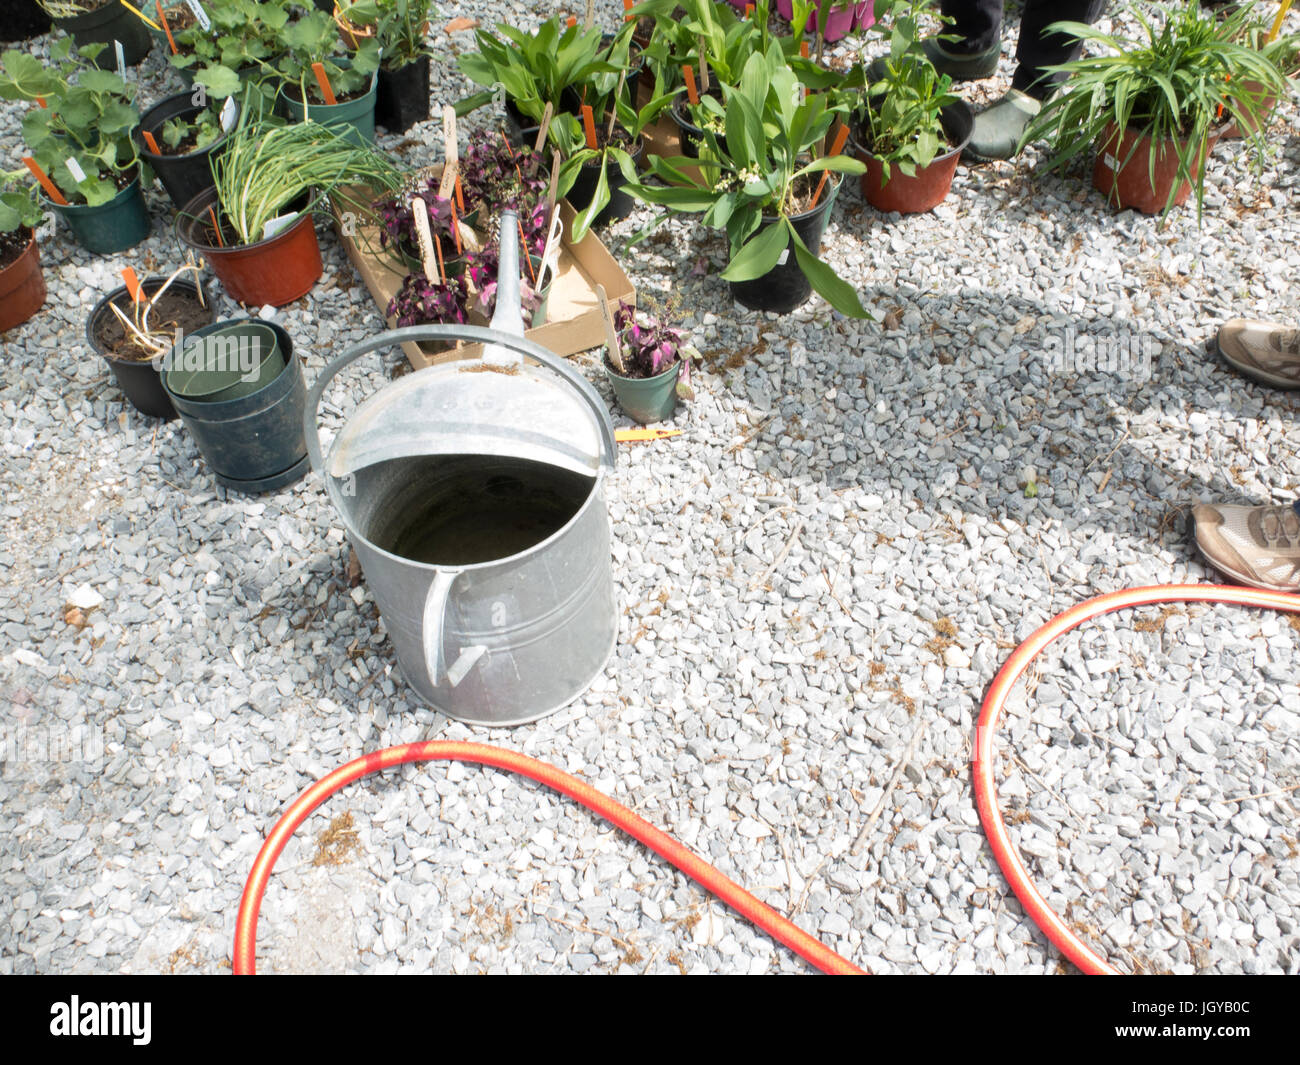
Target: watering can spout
(507,317)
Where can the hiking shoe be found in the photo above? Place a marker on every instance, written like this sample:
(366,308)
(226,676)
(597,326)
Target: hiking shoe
(962,66)
(1259,546)
(1264,352)
(998,129)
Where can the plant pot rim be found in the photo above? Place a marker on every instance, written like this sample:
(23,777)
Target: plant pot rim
(122,192)
(186,219)
(151,155)
(374,87)
(31,239)
(609,369)
(837,179)
(957,107)
(591,164)
(120,291)
(188,404)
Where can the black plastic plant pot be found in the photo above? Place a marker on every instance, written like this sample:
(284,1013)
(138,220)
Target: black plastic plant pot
(112,22)
(785,287)
(690,134)
(620,202)
(254,443)
(108,227)
(520,129)
(139,379)
(27,20)
(182,176)
(403,98)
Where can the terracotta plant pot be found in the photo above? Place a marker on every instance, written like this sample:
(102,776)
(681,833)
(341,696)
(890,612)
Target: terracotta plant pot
(927,189)
(22,286)
(1128,180)
(277,270)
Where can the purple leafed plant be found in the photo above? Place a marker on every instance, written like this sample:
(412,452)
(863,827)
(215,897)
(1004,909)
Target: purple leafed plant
(495,176)
(423,302)
(396,215)
(649,348)
(482,271)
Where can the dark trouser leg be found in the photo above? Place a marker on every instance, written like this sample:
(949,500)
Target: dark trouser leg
(977,22)
(1038,50)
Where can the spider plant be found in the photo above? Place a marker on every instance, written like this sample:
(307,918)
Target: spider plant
(1174,81)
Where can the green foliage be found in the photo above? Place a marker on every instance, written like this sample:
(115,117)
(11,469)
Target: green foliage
(772,150)
(399,26)
(205,127)
(1174,82)
(20,204)
(89,117)
(314,38)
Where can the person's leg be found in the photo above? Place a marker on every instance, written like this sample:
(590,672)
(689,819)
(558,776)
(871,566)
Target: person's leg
(977,25)
(1039,49)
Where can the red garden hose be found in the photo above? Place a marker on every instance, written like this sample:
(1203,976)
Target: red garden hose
(699,870)
(982,760)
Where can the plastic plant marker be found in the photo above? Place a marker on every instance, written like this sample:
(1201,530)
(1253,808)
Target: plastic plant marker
(447,185)
(162,17)
(424,237)
(132,285)
(836,148)
(613,109)
(322,79)
(450,149)
(803,49)
(632,436)
(140,14)
(627,6)
(691,92)
(41,100)
(550,250)
(589,17)
(442,268)
(216,226)
(749,11)
(611,334)
(542,128)
(455,228)
(149,140)
(200,14)
(45,181)
(589,126)
(704,68)
(555,181)
(572,21)
(1277,22)
(527,257)
(460,194)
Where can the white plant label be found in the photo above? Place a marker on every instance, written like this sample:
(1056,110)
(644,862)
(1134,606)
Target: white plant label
(276,224)
(1111,162)
(785,256)
(424,237)
(121,60)
(228,114)
(74,168)
(200,14)
(589,19)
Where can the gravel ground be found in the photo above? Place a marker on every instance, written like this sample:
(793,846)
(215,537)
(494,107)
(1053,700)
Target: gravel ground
(229,660)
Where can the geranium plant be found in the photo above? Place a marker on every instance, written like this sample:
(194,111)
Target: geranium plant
(81,138)
(314,38)
(243,35)
(20,208)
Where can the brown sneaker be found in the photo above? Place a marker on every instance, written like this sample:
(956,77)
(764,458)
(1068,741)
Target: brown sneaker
(1259,546)
(1264,352)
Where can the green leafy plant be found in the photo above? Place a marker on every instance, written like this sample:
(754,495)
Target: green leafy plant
(1174,82)
(265,169)
(898,120)
(764,170)
(314,38)
(196,133)
(398,25)
(87,118)
(534,69)
(243,34)
(20,204)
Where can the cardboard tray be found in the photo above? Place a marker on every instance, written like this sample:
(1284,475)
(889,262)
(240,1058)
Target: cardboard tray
(574,321)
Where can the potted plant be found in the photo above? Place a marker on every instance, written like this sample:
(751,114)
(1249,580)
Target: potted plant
(648,365)
(22,285)
(533,70)
(1150,105)
(188,130)
(322,81)
(425,300)
(135,327)
(243,41)
(400,27)
(254,226)
(1284,53)
(395,213)
(768,188)
(81,139)
(832,19)
(909,128)
(102,22)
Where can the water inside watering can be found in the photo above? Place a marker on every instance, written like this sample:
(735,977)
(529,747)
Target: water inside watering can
(460,510)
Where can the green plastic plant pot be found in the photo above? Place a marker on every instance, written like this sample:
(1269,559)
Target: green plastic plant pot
(235,359)
(110,227)
(646,399)
(358,114)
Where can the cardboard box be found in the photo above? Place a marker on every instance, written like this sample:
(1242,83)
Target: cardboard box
(574,321)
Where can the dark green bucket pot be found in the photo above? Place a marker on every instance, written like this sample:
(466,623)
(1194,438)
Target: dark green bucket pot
(110,227)
(646,399)
(358,114)
(228,360)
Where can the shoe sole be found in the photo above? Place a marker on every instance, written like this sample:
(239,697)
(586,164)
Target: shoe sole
(1262,377)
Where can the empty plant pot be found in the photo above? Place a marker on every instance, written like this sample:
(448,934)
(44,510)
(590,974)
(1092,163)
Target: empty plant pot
(226,361)
(928,187)
(22,286)
(108,227)
(188,308)
(254,443)
(402,96)
(1125,172)
(107,24)
(277,270)
(186,174)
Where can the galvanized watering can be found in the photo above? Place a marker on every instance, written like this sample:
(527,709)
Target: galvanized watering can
(474,496)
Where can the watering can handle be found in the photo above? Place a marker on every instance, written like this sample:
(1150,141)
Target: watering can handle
(474,334)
